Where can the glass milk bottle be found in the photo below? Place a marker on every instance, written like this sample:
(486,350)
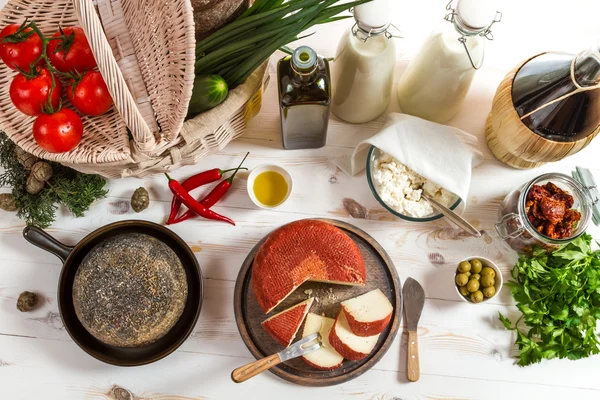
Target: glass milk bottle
(304,99)
(363,72)
(437,80)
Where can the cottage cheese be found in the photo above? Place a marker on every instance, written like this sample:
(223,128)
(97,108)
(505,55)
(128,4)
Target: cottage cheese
(400,188)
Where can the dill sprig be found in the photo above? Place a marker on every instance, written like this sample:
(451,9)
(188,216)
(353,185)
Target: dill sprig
(74,190)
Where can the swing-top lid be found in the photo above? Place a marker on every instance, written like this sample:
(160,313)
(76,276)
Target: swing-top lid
(375,15)
(476,15)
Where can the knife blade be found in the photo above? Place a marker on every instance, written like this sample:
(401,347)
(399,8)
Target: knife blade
(414,300)
(300,348)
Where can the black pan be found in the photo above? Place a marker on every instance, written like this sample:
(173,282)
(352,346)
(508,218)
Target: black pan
(73,256)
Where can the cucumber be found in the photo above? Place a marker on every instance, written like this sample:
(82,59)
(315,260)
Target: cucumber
(209,91)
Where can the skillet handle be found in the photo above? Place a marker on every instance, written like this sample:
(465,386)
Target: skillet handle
(41,239)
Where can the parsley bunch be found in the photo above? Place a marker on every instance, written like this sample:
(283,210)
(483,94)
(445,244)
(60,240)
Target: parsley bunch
(559,296)
(72,189)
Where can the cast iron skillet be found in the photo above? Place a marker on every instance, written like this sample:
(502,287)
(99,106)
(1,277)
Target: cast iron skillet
(73,256)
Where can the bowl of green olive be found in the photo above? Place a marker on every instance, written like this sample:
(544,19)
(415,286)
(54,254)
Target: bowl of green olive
(477,279)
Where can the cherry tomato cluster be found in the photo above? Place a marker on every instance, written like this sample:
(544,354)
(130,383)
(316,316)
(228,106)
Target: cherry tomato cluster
(37,89)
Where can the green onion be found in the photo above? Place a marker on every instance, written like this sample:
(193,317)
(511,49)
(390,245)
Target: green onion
(237,49)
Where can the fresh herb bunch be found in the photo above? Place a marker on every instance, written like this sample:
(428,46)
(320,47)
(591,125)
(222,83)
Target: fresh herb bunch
(72,189)
(559,296)
(240,47)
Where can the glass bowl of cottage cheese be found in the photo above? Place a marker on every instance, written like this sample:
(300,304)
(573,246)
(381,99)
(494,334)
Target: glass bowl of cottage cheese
(398,189)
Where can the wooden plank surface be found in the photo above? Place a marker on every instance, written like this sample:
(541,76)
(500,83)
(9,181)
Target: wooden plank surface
(464,351)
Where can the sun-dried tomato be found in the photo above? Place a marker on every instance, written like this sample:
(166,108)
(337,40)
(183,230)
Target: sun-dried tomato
(548,208)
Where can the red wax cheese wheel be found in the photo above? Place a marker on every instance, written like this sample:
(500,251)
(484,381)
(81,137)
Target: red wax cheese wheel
(301,251)
(369,313)
(349,345)
(284,325)
(326,358)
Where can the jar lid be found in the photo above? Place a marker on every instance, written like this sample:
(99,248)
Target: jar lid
(476,15)
(374,16)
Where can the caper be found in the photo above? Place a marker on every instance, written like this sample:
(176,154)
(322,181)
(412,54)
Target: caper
(477,297)
(489,291)
(464,291)
(464,266)
(461,279)
(473,285)
(476,276)
(488,271)
(487,281)
(476,266)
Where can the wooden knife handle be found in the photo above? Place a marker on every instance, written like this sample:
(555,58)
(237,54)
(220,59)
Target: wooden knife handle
(413,372)
(246,372)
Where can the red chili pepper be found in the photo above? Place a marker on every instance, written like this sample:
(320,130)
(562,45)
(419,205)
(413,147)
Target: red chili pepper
(194,182)
(214,196)
(183,195)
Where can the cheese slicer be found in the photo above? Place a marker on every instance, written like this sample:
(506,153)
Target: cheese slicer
(300,348)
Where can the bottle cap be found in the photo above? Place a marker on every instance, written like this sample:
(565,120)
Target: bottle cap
(375,14)
(476,14)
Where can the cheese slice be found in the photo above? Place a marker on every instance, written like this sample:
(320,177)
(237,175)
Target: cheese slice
(349,345)
(283,326)
(326,358)
(305,250)
(369,313)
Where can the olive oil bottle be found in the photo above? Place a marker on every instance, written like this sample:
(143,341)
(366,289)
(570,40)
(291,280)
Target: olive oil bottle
(304,99)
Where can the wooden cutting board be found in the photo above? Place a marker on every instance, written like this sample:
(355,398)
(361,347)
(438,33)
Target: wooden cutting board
(381,274)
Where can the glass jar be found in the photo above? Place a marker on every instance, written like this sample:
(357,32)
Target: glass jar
(520,234)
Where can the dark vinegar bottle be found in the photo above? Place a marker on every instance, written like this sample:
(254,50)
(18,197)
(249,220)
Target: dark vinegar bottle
(304,99)
(556,95)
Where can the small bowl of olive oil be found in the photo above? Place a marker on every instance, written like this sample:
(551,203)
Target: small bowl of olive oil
(269,186)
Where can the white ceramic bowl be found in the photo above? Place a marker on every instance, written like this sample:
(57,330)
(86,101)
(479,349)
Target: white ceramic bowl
(485,262)
(263,168)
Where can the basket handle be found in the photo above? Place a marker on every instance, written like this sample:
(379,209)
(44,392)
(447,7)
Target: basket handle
(122,98)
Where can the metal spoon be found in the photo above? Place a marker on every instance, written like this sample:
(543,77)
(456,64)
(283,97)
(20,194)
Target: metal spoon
(452,216)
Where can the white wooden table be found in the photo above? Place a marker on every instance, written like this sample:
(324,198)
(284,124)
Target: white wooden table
(465,352)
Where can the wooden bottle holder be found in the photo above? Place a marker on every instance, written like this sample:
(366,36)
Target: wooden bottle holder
(513,143)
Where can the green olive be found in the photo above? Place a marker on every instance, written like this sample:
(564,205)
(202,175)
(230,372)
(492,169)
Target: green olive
(476,266)
(468,274)
(464,291)
(464,266)
(473,285)
(477,297)
(488,271)
(461,279)
(487,281)
(476,276)
(489,291)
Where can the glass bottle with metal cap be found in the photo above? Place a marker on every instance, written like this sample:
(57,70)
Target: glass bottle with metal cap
(437,80)
(363,71)
(304,99)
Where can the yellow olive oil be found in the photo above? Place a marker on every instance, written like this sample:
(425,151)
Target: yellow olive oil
(270,188)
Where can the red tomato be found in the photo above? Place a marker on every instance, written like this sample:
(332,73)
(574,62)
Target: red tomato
(20,54)
(89,94)
(59,132)
(30,95)
(71,53)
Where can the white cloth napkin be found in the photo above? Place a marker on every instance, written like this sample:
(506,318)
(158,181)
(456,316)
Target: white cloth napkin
(443,154)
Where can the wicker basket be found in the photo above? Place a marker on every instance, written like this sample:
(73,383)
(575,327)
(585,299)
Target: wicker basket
(145,51)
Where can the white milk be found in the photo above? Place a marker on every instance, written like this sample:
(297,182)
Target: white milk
(363,73)
(436,81)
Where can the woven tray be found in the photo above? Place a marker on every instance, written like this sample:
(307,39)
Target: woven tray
(145,52)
